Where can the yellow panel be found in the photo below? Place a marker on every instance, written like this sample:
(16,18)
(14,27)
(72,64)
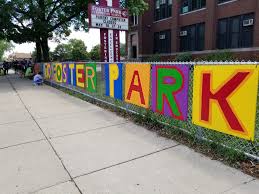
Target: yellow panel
(224,99)
(80,75)
(137,84)
(59,69)
(47,71)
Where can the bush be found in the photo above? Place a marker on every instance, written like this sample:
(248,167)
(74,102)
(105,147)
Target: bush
(184,57)
(154,58)
(224,55)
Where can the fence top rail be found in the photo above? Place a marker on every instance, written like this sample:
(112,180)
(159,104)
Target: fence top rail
(169,62)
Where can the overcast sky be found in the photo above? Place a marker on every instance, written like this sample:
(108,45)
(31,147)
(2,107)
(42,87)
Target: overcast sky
(91,39)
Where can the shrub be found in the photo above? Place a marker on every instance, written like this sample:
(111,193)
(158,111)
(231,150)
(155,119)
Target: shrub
(224,55)
(184,57)
(154,58)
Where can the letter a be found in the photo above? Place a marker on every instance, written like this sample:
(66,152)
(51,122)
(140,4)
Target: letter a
(137,88)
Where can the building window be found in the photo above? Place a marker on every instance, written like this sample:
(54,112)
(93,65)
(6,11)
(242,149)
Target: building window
(163,9)
(162,42)
(192,37)
(133,44)
(191,5)
(223,1)
(134,20)
(235,32)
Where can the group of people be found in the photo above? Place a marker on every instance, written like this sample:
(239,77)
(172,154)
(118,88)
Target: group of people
(21,66)
(24,68)
(18,66)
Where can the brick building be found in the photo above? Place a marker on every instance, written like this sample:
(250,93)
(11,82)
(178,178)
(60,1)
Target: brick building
(197,26)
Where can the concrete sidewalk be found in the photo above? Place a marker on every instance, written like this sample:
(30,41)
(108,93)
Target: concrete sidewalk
(52,143)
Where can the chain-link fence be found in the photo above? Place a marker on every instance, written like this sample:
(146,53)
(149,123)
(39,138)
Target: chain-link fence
(250,148)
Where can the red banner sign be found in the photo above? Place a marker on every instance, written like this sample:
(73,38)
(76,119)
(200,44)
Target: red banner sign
(104,46)
(110,19)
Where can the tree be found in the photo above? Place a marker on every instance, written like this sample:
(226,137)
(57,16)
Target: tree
(78,50)
(4,46)
(74,50)
(135,7)
(95,53)
(39,20)
(62,53)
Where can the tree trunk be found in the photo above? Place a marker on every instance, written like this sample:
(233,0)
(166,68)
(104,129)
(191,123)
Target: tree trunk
(45,49)
(38,51)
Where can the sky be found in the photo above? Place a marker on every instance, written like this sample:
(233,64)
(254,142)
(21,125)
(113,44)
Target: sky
(91,39)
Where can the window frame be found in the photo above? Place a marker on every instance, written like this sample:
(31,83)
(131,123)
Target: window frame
(192,5)
(192,41)
(225,1)
(162,47)
(162,9)
(225,41)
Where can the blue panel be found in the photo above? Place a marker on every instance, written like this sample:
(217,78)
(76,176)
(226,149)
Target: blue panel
(107,80)
(118,84)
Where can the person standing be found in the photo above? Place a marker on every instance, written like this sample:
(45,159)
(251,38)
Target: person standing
(6,67)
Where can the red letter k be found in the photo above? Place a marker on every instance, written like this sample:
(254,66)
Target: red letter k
(221,96)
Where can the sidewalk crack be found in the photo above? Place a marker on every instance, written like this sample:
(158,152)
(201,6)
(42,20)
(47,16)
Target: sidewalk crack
(239,185)
(127,161)
(48,140)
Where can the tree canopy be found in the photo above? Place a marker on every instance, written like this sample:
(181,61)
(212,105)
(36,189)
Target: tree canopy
(61,53)
(135,7)
(74,50)
(4,46)
(39,20)
(95,54)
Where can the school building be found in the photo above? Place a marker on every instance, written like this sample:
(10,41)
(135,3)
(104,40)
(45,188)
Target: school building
(170,27)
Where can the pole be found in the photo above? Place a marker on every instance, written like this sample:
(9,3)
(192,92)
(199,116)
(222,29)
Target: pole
(110,39)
